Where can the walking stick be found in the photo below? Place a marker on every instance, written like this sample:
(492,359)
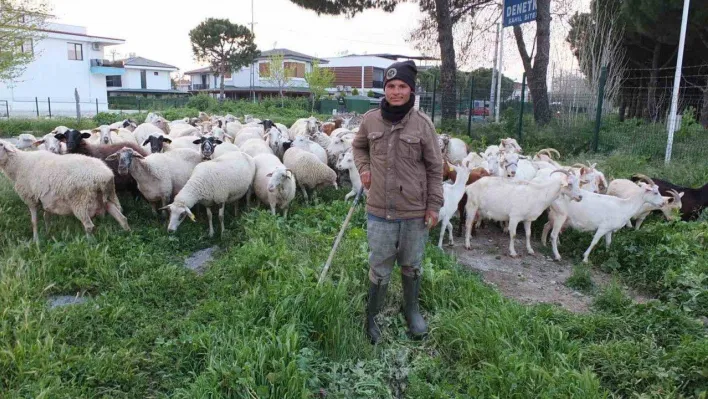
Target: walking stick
(339,237)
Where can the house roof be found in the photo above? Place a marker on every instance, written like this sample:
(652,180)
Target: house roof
(264,89)
(155,91)
(267,53)
(79,34)
(140,61)
(291,54)
(395,57)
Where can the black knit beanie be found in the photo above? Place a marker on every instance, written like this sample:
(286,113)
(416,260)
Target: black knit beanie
(405,71)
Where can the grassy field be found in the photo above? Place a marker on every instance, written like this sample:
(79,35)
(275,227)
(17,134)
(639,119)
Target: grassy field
(255,324)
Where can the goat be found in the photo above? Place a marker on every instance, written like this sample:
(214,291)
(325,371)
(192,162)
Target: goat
(694,199)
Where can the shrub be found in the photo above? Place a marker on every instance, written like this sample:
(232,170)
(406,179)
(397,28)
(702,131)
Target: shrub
(355,92)
(581,279)
(202,102)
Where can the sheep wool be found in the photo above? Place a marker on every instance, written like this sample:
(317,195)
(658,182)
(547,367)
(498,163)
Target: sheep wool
(281,181)
(309,171)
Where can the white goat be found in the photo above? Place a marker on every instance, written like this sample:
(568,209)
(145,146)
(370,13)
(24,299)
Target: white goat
(600,213)
(346,162)
(452,194)
(503,199)
(624,188)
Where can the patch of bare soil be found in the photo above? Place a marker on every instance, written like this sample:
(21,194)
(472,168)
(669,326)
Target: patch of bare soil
(529,279)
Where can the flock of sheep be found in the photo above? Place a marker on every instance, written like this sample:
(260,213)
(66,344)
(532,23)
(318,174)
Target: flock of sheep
(217,160)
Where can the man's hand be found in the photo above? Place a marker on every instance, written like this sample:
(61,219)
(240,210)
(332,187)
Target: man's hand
(431,219)
(366,179)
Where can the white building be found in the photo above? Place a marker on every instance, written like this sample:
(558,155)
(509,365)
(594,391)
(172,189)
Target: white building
(237,84)
(67,58)
(142,77)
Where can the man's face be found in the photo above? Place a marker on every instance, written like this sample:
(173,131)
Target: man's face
(397,92)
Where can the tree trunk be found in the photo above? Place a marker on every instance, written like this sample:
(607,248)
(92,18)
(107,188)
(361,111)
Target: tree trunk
(652,106)
(536,73)
(221,86)
(447,54)
(623,105)
(704,108)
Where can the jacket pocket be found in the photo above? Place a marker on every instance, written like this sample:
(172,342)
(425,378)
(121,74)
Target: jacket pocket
(409,147)
(377,145)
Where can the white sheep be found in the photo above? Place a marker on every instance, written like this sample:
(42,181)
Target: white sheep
(50,143)
(308,145)
(337,147)
(159,176)
(62,185)
(185,142)
(346,162)
(232,128)
(224,148)
(125,124)
(25,141)
(218,182)
(276,140)
(248,133)
(274,184)
(255,147)
(310,172)
(182,130)
(304,127)
(145,130)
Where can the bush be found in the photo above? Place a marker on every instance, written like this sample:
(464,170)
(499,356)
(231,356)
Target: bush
(202,102)
(370,93)
(355,92)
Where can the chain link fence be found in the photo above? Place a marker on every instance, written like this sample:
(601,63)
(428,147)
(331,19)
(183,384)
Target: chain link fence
(632,121)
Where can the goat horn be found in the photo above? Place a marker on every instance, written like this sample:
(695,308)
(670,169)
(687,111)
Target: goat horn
(644,178)
(579,165)
(675,194)
(565,172)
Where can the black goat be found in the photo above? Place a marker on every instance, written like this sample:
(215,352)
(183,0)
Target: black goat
(694,199)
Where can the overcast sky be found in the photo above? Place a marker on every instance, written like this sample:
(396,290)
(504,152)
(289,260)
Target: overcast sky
(158,29)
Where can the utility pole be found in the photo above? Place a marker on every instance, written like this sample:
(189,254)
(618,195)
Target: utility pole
(497,109)
(253,70)
(493,86)
(677,80)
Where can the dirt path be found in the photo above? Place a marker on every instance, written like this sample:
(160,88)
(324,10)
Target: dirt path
(529,279)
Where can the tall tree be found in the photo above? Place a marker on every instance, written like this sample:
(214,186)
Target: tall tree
(443,14)
(319,79)
(21,22)
(536,66)
(277,75)
(224,45)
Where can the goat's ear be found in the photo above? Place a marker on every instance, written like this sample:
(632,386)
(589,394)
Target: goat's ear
(85,135)
(269,175)
(38,143)
(147,141)
(681,194)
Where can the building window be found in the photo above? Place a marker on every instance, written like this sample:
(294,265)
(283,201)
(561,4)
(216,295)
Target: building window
(143,79)
(227,75)
(378,78)
(297,69)
(264,69)
(76,51)
(27,47)
(156,73)
(114,81)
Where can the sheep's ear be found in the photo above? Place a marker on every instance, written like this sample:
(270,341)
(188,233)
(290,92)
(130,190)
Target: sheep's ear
(147,141)
(217,141)
(166,140)
(191,215)
(61,137)
(95,130)
(229,136)
(114,130)
(38,143)
(198,141)
(85,135)
(164,208)
(269,175)
(112,157)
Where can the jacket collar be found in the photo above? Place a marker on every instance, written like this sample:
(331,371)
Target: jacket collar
(399,125)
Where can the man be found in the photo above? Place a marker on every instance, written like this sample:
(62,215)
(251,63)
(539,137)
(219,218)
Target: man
(399,161)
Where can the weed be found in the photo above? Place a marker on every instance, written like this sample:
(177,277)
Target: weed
(581,279)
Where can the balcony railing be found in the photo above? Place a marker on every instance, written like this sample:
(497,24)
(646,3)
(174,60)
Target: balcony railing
(106,63)
(198,87)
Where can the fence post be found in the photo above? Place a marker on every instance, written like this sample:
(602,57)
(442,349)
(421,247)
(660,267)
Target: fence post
(137,100)
(470,108)
(36,104)
(598,116)
(49,106)
(521,114)
(96,105)
(7,109)
(435,84)
(78,105)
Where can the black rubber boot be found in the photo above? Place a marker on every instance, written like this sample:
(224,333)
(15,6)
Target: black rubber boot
(377,295)
(416,324)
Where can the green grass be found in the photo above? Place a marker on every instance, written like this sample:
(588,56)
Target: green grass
(581,279)
(256,324)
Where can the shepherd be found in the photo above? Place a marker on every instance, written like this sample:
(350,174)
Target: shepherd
(398,158)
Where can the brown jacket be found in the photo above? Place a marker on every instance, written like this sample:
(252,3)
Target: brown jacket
(405,163)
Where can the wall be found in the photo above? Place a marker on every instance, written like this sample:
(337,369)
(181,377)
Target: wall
(131,79)
(53,75)
(358,61)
